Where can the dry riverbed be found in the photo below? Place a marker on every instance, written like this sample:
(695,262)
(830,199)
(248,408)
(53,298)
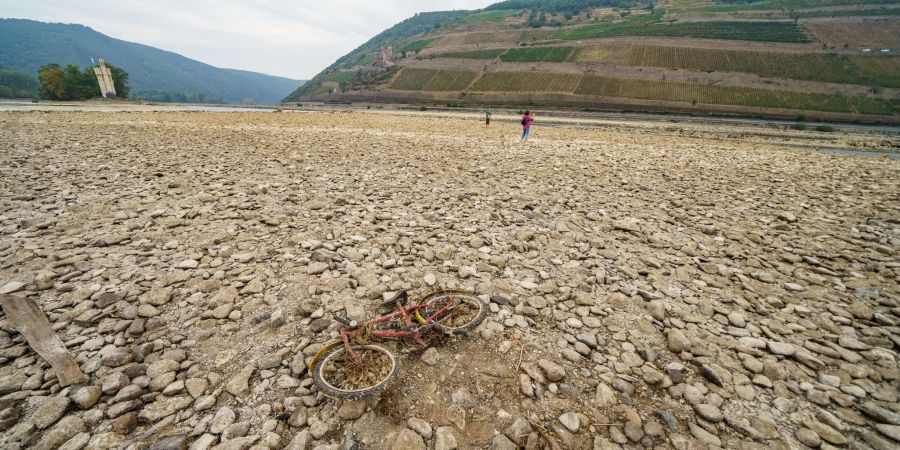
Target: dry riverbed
(650,284)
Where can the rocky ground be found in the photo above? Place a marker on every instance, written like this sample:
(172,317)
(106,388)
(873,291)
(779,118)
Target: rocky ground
(650,284)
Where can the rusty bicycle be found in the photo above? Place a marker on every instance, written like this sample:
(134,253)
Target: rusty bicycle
(355,367)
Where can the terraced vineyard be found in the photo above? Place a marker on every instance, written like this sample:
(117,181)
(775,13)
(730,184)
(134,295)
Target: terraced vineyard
(527,82)
(735,54)
(475,54)
(879,70)
(538,54)
(432,80)
(741,31)
(789,4)
(731,95)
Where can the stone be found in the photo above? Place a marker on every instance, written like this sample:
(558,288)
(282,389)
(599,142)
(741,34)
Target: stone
(78,442)
(709,412)
(239,443)
(464,398)
(111,383)
(431,356)
(808,437)
(445,439)
(176,442)
(298,418)
(501,442)
(86,396)
(554,372)
(352,409)
(420,426)
(519,430)
(165,406)
(571,421)
(824,431)
(65,429)
(605,396)
(781,348)
(239,384)
(12,286)
(408,440)
(223,419)
(891,431)
(204,442)
(50,411)
(677,341)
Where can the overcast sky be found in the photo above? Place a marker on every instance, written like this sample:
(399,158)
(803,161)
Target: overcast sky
(294,39)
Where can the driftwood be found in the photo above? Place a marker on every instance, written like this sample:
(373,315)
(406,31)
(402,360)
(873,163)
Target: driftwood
(28,318)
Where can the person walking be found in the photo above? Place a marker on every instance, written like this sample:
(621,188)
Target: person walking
(526,124)
(487,117)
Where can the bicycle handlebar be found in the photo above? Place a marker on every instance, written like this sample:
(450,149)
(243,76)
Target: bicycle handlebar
(349,323)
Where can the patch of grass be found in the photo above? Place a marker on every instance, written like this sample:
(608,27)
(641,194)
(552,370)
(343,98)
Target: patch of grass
(487,16)
(342,76)
(413,46)
(787,4)
(475,54)
(741,31)
(825,128)
(848,13)
(538,54)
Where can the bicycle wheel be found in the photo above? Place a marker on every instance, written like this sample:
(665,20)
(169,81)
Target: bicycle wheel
(464,311)
(340,375)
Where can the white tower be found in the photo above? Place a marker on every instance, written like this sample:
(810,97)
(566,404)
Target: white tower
(105,79)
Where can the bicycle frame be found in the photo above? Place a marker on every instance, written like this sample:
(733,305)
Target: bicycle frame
(413,332)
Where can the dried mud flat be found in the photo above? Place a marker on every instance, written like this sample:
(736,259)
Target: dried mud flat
(650,285)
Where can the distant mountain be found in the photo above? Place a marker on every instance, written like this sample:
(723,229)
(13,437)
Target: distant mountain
(154,74)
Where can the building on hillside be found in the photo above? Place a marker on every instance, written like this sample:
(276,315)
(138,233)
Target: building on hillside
(105,80)
(384,57)
(332,87)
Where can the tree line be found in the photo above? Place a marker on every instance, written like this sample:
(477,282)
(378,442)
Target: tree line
(55,82)
(72,83)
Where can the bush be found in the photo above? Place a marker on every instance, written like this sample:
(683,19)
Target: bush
(825,128)
(799,126)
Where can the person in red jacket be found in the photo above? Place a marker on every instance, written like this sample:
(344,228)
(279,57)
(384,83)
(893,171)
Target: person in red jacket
(526,124)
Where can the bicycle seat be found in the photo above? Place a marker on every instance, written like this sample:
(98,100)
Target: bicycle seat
(402,297)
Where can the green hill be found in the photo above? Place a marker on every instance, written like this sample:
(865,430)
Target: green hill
(154,74)
(774,57)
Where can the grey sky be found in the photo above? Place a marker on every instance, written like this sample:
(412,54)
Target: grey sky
(295,39)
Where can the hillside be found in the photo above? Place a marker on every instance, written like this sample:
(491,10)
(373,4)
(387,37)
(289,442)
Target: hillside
(154,74)
(766,57)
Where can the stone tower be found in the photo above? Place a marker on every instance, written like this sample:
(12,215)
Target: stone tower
(383,57)
(105,79)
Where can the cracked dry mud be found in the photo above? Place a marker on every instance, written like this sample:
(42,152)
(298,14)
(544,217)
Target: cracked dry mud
(649,284)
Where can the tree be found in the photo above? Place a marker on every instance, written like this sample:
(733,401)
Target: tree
(53,82)
(120,81)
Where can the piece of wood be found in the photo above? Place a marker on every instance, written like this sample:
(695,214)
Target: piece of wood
(28,318)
